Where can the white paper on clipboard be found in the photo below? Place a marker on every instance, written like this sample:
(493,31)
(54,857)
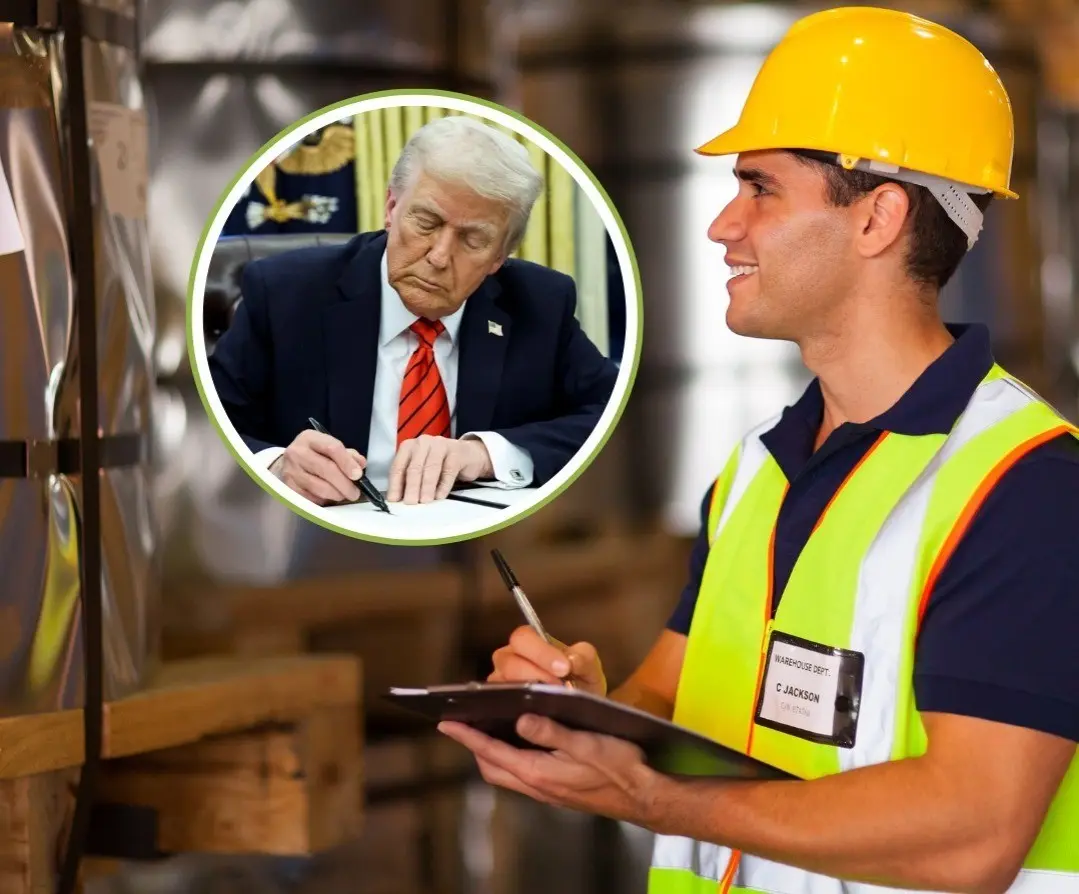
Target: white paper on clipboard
(11,238)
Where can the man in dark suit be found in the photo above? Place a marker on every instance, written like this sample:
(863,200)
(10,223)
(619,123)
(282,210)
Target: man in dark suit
(428,356)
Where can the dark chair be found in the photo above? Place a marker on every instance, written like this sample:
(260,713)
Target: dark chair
(231,255)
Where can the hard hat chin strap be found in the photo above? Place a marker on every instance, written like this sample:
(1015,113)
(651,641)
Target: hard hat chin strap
(953,196)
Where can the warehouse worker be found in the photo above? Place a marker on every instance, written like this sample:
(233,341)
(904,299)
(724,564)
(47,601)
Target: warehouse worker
(884,601)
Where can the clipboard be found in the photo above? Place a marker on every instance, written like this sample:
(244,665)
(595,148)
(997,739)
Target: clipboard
(493,708)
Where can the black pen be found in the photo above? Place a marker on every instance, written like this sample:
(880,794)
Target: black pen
(463,499)
(510,580)
(364,484)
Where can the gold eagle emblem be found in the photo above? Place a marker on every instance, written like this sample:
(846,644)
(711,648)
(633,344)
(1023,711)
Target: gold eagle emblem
(333,151)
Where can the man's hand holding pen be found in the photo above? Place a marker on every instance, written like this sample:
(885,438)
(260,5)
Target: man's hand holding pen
(319,467)
(582,770)
(527,658)
(579,770)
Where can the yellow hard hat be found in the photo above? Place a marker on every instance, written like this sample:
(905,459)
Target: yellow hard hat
(886,91)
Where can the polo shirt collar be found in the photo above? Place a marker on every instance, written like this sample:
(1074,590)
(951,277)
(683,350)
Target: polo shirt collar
(395,318)
(931,405)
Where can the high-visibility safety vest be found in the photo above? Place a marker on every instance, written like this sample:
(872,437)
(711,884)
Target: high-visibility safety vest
(861,583)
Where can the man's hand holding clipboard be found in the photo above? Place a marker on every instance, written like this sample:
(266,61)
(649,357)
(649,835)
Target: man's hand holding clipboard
(574,768)
(583,770)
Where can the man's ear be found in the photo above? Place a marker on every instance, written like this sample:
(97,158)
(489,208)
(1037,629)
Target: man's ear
(881,216)
(391,203)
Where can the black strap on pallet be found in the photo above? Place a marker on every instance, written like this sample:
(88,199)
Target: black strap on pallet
(97,24)
(80,219)
(89,451)
(39,459)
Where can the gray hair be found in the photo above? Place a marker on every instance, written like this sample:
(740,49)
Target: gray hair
(458,149)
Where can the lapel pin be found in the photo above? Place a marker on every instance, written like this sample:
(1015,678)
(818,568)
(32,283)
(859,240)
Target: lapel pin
(494,328)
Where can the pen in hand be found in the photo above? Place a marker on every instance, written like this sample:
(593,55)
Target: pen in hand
(510,580)
(364,484)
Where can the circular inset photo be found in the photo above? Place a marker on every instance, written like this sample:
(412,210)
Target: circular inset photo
(415,317)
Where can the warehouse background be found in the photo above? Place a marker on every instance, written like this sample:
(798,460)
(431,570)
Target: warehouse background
(631,86)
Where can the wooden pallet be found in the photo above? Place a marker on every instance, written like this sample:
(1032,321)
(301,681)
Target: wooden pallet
(435,624)
(233,755)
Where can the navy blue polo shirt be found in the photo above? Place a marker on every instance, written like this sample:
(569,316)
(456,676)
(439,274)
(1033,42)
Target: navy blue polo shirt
(1000,636)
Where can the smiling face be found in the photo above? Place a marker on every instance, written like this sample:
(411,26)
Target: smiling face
(444,240)
(793,255)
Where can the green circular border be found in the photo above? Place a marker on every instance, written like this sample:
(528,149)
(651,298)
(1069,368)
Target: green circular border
(584,464)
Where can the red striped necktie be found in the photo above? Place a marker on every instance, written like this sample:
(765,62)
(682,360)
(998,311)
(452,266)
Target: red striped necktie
(423,408)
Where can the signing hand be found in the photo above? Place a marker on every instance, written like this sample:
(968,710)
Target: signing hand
(320,468)
(584,771)
(426,468)
(528,658)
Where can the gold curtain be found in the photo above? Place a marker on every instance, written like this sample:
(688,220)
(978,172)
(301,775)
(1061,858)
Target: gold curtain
(381,135)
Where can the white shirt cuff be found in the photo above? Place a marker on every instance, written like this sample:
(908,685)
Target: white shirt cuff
(268,456)
(512,465)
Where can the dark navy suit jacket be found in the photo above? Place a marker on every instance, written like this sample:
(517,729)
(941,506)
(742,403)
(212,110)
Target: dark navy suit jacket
(304,342)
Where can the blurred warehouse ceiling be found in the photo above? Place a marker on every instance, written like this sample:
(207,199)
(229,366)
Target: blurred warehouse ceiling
(631,86)
(222,77)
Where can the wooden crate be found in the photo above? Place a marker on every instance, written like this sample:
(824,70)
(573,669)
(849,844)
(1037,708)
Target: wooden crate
(233,755)
(614,589)
(432,625)
(402,624)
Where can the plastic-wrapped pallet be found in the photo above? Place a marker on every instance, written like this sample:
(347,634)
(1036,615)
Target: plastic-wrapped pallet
(40,486)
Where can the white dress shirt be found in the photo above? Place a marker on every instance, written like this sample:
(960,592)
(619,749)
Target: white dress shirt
(396,342)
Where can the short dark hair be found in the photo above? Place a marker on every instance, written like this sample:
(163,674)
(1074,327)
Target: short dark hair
(937,245)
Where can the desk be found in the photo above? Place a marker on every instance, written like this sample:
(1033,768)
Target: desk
(430,521)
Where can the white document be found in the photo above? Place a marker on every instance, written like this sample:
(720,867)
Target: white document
(428,520)
(11,239)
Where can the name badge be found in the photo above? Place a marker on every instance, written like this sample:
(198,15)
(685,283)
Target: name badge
(811,690)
